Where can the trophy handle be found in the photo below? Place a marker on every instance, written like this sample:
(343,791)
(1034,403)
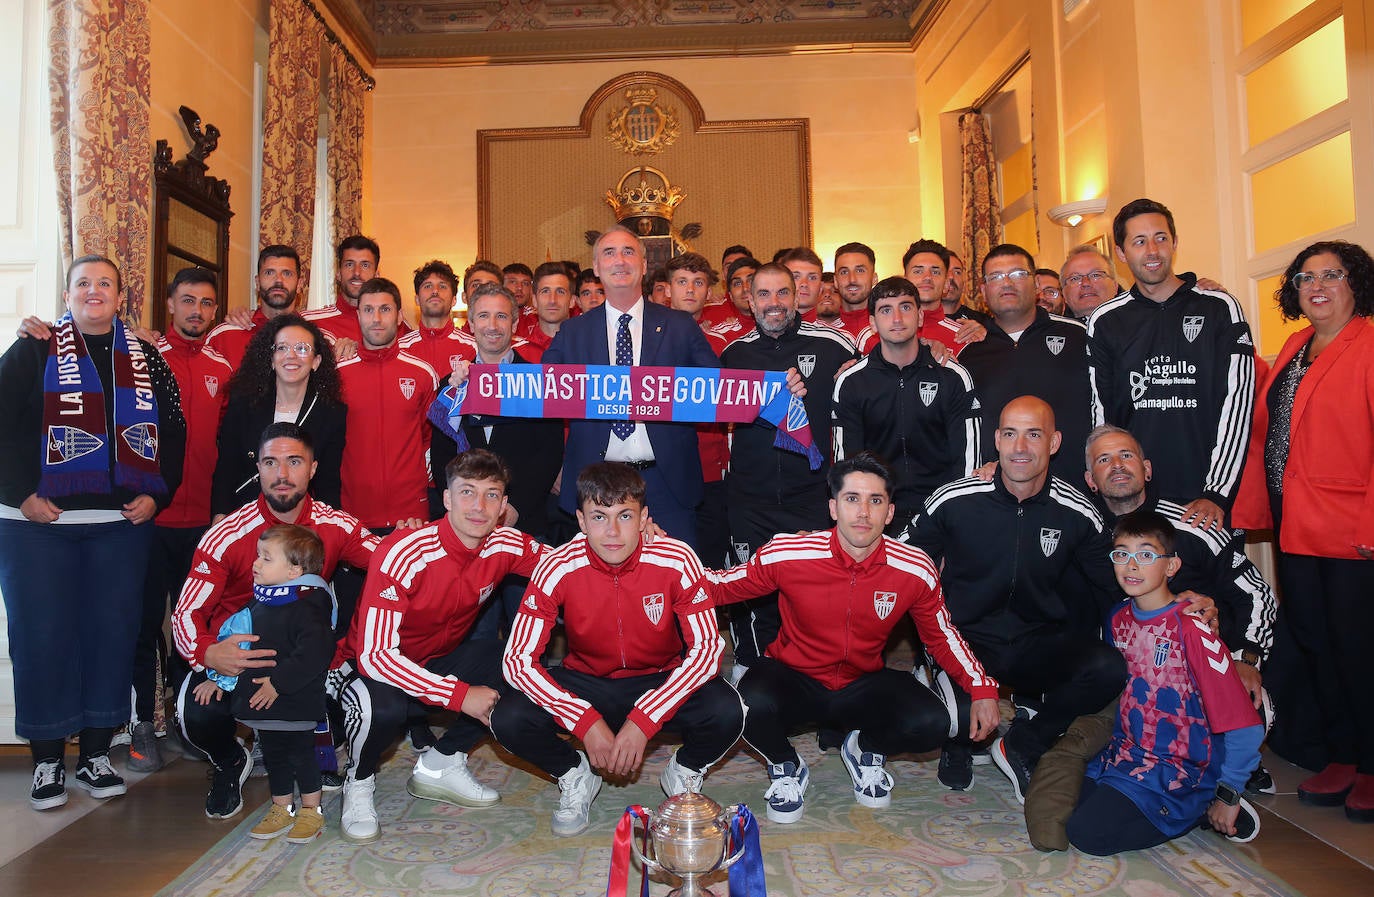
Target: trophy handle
(732,811)
(634,845)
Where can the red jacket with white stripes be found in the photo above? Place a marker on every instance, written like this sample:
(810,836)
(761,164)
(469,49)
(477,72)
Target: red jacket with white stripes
(231,340)
(440,347)
(202,375)
(421,599)
(385,470)
(221,579)
(837,612)
(630,620)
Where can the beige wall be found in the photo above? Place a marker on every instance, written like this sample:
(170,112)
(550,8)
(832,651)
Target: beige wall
(864,171)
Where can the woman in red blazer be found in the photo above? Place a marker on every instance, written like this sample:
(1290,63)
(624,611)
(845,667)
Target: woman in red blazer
(1313,454)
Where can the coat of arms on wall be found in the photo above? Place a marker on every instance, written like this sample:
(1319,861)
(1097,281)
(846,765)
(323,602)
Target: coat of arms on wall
(643,126)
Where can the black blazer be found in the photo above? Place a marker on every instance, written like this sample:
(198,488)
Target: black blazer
(236,472)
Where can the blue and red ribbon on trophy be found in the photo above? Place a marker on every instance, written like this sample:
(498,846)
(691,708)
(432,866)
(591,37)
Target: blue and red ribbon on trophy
(746,879)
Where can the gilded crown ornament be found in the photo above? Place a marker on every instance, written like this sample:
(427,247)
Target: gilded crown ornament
(642,127)
(645,198)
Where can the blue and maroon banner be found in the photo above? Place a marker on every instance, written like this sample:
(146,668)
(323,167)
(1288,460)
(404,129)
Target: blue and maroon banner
(613,392)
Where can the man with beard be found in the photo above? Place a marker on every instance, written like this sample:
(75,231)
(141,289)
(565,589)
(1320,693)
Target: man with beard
(1175,364)
(202,376)
(926,264)
(953,301)
(277,282)
(553,303)
(1214,561)
(733,318)
(436,341)
(854,277)
(358,259)
(221,583)
(1027,581)
(385,469)
(1029,351)
(1047,293)
(769,490)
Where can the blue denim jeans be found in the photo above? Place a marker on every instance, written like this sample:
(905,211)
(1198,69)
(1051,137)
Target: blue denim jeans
(73,595)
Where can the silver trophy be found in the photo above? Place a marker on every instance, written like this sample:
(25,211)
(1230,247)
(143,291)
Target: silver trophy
(688,837)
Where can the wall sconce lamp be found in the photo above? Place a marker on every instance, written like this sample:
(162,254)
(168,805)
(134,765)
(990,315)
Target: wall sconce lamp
(1071,214)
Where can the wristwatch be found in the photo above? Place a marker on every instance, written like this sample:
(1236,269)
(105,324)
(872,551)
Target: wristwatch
(1227,795)
(1248,657)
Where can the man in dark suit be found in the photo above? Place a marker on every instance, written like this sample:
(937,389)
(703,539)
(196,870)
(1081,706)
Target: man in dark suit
(627,330)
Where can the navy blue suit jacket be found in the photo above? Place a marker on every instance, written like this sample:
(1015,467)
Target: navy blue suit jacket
(670,339)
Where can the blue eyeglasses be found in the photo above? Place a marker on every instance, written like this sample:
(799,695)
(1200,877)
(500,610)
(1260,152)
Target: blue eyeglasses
(1144,557)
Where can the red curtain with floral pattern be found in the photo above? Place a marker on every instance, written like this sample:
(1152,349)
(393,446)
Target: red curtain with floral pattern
(982,221)
(345,142)
(290,129)
(102,145)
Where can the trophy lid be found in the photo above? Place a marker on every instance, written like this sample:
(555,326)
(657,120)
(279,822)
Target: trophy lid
(689,808)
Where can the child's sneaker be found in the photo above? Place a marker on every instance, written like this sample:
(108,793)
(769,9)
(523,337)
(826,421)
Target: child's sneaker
(278,821)
(309,825)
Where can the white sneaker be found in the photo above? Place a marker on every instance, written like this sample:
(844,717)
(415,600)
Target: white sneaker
(359,819)
(451,783)
(579,787)
(676,778)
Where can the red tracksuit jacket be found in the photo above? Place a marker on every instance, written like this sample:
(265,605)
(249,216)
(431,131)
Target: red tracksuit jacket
(202,375)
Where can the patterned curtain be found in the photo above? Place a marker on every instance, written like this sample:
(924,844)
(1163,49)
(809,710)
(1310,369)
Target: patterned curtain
(982,222)
(102,145)
(345,144)
(290,128)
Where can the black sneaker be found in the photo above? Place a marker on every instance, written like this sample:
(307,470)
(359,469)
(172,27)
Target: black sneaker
(144,753)
(49,785)
(226,786)
(97,775)
(829,739)
(1247,824)
(1261,782)
(331,781)
(1014,766)
(956,766)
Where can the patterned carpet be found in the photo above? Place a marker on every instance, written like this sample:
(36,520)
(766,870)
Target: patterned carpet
(929,842)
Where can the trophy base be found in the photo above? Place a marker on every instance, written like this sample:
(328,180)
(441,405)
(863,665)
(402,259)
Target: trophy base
(690,888)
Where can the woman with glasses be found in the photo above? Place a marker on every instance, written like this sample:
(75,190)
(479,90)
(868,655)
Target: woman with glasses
(287,374)
(1314,453)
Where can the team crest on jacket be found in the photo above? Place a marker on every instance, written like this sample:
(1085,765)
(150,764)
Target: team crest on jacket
(806,364)
(1049,540)
(1192,326)
(928,391)
(883,603)
(485,593)
(211,385)
(453,362)
(1162,646)
(653,607)
(1055,344)
(407,386)
(741,552)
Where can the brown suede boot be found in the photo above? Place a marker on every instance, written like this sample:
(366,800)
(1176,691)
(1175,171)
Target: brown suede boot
(1329,787)
(1359,803)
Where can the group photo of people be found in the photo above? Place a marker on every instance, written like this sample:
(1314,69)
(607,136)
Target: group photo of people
(279,544)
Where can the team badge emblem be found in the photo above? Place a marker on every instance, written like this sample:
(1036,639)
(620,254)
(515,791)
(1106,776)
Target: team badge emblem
(1192,326)
(1162,646)
(453,362)
(407,386)
(653,607)
(142,438)
(69,443)
(1049,540)
(806,364)
(485,593)
(211,385)
(883,603)
(1055,344)
(741,552)
(928,391)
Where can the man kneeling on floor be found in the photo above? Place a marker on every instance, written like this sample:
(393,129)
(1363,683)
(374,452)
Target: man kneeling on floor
(409,643)
(643,654)
(841,592)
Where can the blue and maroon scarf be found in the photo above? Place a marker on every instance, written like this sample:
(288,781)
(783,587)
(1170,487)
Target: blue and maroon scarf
(612,392)
(76,446)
